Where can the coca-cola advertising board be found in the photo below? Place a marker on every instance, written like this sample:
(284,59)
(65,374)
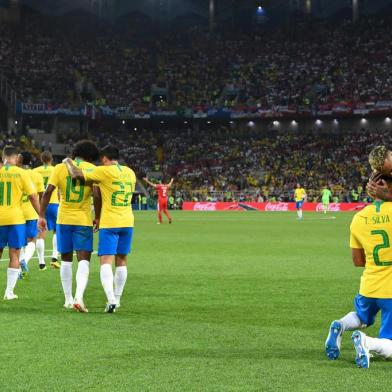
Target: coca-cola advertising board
(268,207)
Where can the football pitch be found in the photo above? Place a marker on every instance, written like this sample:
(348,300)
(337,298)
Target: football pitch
(235,301)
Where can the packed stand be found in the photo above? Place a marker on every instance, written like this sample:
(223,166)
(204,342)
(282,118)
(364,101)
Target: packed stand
(69,61)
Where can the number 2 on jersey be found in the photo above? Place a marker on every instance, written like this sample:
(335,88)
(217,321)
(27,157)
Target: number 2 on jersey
(122,194)
(385,244)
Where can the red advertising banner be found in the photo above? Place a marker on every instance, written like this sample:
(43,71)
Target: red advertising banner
(278,206)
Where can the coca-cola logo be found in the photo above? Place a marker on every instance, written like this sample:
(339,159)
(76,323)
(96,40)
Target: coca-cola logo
(277,206)
(204,207)
(333,207)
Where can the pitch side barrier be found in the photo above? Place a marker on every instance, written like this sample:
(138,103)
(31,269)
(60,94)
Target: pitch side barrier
(276,207)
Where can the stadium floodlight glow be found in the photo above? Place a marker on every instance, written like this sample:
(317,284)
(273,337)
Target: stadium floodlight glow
(276,123)
(251,124)
(208,122)
(363,120)
(388,120)
(123,122)
(162,122)
(318,122)
(185,122)
(294,123)
(135,129)
(16,122)
(335,121)
(231,122)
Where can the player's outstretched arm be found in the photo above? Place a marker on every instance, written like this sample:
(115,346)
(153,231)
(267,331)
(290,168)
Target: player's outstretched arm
(358,256)
(170,183)
(74,172)
(145,179)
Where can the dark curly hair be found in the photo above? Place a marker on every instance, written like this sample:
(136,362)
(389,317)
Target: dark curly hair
(85,149)
(111,152)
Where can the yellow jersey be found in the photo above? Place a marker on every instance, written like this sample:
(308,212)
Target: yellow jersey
(14,183)
(27,208)
(75,200)
(117,184)
(45,171)
(371,230)
(299,194)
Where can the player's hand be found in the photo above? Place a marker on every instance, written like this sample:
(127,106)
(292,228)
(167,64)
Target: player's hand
(95,225)
(65,160)
(378,190)
(42,225)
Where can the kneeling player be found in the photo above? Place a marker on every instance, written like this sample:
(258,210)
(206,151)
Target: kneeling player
(74,222)
(371,231)
(117,184)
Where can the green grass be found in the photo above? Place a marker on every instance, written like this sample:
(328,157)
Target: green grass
(236,301)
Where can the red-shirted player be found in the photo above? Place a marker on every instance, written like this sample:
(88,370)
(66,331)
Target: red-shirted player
(162,190)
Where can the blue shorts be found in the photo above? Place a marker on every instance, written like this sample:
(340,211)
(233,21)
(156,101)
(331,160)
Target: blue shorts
(51,216)
(13,235)
(298,204)
(31,228)
(73,237)
(116,241)
(367,308)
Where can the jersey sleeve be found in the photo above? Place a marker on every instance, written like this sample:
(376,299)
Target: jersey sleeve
(354,241)
(94,175)
(27,184)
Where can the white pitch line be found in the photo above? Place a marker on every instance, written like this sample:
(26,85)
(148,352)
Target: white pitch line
(326,218)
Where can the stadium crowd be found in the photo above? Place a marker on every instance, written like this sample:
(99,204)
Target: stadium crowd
(249,165)
(46,61)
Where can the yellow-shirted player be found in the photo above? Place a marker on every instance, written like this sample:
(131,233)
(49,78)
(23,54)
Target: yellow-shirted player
(45,171)
(74,220)
(299,197)
(117,184)
(14,184)
(30,214)
(370,240)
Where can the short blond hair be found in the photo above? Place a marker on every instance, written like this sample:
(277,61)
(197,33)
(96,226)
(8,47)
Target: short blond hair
(377,158)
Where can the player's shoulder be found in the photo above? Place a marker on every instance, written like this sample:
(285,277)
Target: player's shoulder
(360,216)
(38,169)
(88,166)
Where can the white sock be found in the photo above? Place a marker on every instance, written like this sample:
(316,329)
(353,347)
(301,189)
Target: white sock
(40,246)
(382,347)
(22,254)
(29,251)
(351,322)
(66,280)
(107,282)
(120,278)
(12,277)
(54,243)
(81,278)
(299,213)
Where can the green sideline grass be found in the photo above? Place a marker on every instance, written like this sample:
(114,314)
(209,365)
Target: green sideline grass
(236,301)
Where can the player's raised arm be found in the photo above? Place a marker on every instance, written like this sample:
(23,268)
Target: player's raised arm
(74,172)
(149,182)
(170,183)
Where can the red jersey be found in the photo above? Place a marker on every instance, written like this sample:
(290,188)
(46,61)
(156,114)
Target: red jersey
(162,191)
